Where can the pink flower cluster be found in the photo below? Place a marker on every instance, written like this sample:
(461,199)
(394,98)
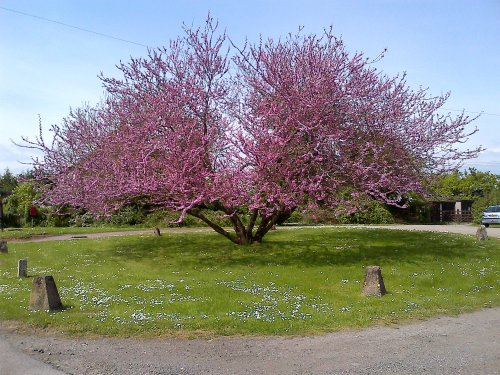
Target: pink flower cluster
(253,132)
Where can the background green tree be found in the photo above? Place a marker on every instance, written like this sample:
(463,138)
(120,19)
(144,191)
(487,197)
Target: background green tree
(7,181)
(18,204)
(481,187)
(468,184)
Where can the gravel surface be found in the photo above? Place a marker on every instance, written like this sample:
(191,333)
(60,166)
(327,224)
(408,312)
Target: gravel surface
(448,228)
(467,344)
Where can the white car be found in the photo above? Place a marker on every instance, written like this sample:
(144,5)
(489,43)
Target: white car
(491,216)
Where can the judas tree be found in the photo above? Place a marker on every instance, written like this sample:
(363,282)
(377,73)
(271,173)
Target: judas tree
(252,132)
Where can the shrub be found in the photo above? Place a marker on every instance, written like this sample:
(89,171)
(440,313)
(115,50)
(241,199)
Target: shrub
(373,213)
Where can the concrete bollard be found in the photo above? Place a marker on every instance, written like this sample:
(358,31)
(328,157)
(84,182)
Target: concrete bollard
(481,233)
(157,232)
(374,283)
(3,246)
(22,268)
(44,294)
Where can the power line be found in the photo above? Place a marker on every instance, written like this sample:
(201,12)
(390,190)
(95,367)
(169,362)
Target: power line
(144,45)
(74,27)
(474,112)
(482,163)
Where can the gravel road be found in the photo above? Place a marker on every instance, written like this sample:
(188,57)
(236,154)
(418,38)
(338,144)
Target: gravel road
(467,344)
(448,228)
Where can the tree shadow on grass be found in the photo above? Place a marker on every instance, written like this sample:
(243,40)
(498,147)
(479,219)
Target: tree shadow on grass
(304,248)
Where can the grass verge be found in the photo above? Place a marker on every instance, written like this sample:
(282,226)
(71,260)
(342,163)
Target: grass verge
(300,281)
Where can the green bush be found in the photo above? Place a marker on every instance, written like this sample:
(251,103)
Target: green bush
(19,203)
(373,213)
(319,216)
(128,215)
(82,219)
(295,218)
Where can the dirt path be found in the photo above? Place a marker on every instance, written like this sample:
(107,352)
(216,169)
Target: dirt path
(65,237)
(448,228)
(468,229)
(467,344)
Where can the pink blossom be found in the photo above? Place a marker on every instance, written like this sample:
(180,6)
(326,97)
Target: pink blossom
(253,132)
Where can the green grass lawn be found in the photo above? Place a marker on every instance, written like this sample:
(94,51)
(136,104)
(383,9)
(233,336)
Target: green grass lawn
(299,281)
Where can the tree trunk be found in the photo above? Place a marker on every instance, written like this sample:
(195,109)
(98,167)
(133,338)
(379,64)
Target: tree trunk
(268,223)
(243,235)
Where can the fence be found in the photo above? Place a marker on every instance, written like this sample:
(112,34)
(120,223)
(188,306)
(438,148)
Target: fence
(456,216)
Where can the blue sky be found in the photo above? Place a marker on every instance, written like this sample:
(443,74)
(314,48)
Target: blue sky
(46,67)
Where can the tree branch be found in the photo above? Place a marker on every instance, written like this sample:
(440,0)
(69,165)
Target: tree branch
(269,222)
(196,212)
(238,226)
(251,222)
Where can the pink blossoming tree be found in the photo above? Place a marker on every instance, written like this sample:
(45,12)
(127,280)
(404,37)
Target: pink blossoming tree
(254,134)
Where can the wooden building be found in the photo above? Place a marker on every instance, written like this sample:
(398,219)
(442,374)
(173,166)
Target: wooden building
(451,211)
